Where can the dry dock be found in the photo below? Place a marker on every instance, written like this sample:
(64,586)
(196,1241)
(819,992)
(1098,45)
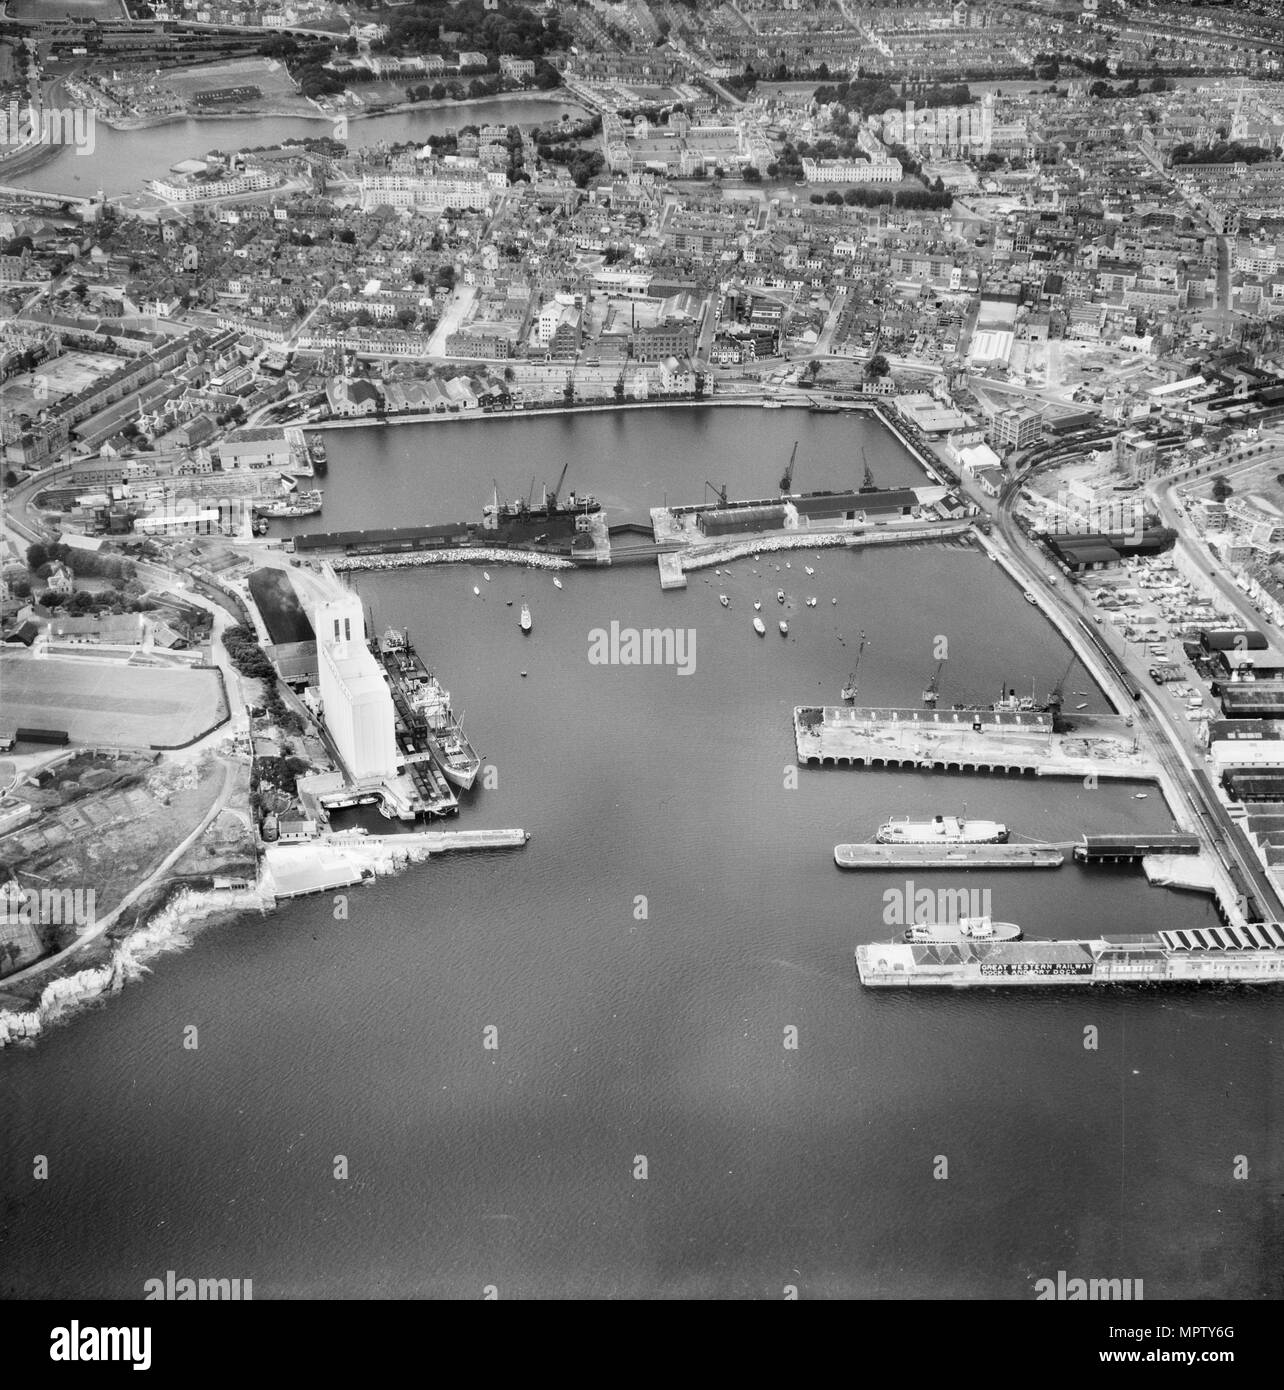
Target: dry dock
(1007,856)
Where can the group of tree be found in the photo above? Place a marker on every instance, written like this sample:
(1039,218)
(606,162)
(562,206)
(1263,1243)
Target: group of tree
(1223,152)
(873,196)
(873,95)
(84,564)
(584,164)
(514,29)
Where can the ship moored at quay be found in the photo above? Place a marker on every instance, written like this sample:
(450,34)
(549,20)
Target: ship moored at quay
(1251,954)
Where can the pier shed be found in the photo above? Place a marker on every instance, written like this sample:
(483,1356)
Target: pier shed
(1111,849)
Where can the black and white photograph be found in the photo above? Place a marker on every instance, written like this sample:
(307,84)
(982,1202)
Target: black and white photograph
(641,660)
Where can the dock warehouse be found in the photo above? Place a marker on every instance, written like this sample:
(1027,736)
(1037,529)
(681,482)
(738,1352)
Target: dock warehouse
(1253,700)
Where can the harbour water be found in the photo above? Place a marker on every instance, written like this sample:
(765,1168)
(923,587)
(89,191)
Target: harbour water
(121,161)
(656,1028)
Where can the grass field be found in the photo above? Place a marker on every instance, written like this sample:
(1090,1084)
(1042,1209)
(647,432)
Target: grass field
(66,9)
(109,704)
(269,76)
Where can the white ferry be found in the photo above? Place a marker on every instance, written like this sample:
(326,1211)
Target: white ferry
(941,830)
(966,929)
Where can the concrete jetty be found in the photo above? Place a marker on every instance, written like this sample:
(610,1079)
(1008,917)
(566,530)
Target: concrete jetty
(964,741)
(1005,856)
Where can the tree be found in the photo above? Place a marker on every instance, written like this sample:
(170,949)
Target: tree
(37,556)
(751,174)
(11,479)
(1221,488)
(878,366)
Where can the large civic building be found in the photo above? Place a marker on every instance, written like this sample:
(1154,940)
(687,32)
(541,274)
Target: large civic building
(356,704)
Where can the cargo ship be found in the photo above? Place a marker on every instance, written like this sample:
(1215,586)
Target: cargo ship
(522,519)
(316,452)
(1252,954)
(425,705)
(941,830)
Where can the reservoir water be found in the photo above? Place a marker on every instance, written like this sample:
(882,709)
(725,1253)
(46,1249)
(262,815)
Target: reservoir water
(676,911)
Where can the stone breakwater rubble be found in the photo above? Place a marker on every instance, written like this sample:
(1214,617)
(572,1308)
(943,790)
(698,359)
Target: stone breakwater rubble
(739,549)
(450,557)
(165,931)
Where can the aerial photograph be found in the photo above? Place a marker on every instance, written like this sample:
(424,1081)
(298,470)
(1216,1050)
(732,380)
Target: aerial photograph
(642,655)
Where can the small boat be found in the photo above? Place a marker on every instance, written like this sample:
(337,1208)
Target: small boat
(833,601)
(784,628)
(557,583)
(1029,597)
(523,675)
(510,603)
(486,576)
(724,600)
(788,566)
(525,620)
(772,405)
(757,607)
(476,590)
(780,596)
(1141,796)
(760,627)
(1082,706)
(809,569)
(811,603)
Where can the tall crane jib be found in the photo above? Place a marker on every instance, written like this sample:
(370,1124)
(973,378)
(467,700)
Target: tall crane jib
(850,689)
(787,480)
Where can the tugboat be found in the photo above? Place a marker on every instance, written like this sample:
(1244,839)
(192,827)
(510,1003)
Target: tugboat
(525,620)
(724,600)
(780,596)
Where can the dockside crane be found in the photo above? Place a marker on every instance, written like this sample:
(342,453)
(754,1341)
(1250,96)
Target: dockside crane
(787,479)
(867,484)
(932,690)
(719,492)
(551,497)
(1056,697)
(850,689)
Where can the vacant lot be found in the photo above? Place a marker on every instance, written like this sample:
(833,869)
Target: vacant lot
(115,705)
(63,376)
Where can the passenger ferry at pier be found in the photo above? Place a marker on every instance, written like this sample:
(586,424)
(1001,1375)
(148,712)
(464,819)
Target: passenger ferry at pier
(1248,954)
(966,929)
(941,830)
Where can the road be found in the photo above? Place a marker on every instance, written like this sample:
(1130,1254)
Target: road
(1165,739)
